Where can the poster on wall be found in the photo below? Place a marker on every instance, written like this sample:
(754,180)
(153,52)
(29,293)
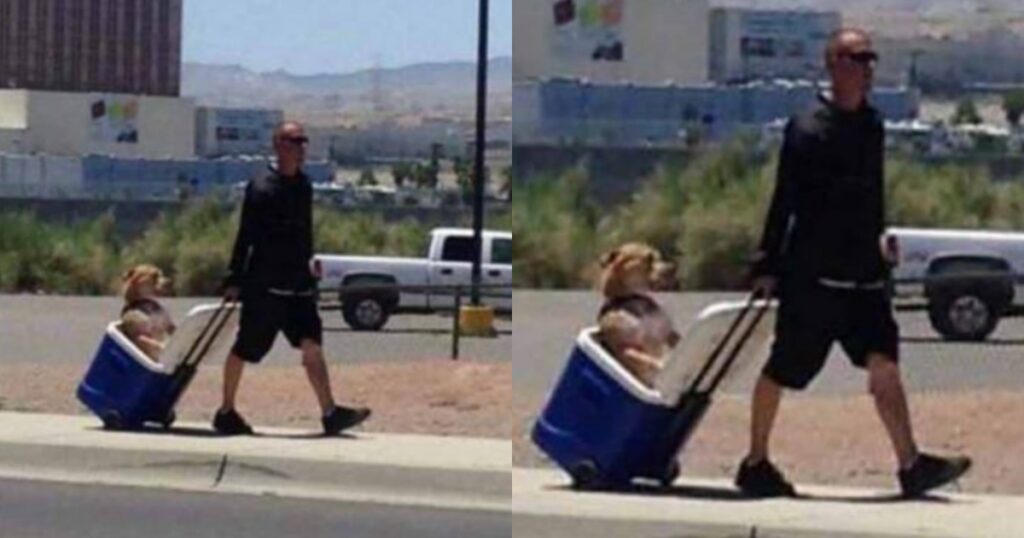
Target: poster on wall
(249,126)
(588,30)
(114,120)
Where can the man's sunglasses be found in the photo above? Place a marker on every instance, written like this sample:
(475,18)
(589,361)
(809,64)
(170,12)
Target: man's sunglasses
(863,58)
(296,140)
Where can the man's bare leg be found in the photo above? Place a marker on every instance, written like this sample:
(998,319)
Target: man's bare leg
(763,410)
(319,377)
(886,386)
(233,368)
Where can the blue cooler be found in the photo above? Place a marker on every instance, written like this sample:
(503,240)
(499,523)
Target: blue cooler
(126,389)
(606,428)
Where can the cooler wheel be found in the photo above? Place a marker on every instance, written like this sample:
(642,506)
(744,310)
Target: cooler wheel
(586,475)
(112,421)
(671,474)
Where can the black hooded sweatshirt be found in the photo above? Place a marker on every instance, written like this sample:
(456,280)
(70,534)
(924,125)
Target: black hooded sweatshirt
(275,237)
(827,213)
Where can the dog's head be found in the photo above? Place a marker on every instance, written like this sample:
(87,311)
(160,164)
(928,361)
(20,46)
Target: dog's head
(144,281)
(635,268)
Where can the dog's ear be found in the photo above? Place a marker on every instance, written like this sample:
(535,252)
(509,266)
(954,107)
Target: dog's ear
(128,275)
(609,257)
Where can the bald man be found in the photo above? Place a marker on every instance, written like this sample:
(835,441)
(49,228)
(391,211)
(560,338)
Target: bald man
(270,271)
(822,251)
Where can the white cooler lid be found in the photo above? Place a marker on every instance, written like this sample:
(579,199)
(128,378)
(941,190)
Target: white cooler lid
(701,338)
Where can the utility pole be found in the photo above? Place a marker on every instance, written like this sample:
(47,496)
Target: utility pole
(475,319)
(478,165)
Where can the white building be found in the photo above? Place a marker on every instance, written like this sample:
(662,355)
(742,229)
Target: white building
(73,124)
(235,131)
(751,44)
(611,41)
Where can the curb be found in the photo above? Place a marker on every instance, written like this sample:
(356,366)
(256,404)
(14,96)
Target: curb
(463,473)
(713,509)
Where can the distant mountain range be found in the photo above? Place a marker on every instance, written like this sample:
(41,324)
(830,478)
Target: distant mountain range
(424,89)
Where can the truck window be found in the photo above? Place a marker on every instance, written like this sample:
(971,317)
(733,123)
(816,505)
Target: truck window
(501,251)
(457,249)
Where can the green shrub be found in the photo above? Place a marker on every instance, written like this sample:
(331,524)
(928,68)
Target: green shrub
(554,228)
(339,233)
(192,245)
(709,215)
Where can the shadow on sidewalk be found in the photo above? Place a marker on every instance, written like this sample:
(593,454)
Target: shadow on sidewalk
(890,498)
(186,431)
(731,494)
(994,342)
(687,491)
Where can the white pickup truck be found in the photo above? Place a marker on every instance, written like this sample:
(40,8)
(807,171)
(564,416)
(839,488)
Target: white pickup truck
(967,278)
(448,263)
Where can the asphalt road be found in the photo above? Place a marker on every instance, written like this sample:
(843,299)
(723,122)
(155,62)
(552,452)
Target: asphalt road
(51,510)
(546,324)
(66,329)
(55,510)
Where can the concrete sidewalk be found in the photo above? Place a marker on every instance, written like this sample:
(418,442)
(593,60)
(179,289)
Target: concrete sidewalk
(713,509)
(399,469)
(474,474)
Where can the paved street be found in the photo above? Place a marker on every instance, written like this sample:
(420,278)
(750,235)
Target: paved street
(67,329)
(546,324)
(51,510)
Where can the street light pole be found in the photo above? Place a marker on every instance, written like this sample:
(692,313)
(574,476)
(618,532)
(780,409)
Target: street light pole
(478,166)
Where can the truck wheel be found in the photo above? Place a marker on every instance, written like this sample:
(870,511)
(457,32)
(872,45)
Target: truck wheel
(365,312)
(963,315)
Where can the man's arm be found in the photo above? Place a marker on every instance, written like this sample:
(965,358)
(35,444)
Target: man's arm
(308,204)
(888,246)
(243,242)
(767,260)
(881,218)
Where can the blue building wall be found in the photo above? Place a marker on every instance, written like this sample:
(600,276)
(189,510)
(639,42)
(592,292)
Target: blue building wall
(157,177)
(573,110)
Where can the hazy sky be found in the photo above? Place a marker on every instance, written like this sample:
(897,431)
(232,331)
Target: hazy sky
(336,36)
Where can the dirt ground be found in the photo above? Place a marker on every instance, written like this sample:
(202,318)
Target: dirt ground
(840,440)
(435,397)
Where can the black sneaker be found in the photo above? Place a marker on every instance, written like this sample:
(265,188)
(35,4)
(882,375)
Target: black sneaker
(762,480)
(230,423)
(929,472)
(343,418)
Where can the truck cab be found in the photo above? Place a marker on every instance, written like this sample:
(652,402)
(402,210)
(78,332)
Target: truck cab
(967,280)
(371,289)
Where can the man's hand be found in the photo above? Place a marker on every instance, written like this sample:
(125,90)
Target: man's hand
(765,286)
(231,293)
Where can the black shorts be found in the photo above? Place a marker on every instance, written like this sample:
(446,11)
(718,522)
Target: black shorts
(264,314)
(812,317)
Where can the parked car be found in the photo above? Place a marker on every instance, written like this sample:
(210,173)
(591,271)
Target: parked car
(965,279)
(448,263)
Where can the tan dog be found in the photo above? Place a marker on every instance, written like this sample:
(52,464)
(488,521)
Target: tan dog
(143,319)
(138,327)
(634,328)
